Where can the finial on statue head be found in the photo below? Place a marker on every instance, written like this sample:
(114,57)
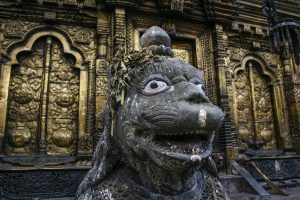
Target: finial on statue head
(156,39)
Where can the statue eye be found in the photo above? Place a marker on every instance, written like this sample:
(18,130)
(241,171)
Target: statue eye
(199,85)
(155,86)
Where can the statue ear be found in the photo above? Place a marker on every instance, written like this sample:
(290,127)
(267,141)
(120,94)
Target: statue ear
(106,157)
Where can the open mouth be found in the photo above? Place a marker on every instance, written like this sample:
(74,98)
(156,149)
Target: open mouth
(180,144)
(191,142)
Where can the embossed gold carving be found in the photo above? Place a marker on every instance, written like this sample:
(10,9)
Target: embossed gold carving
(270,65)
(43,101)
(63,133)
(23,100)
(183,50)
(63,102)
(182,54)
(254,107)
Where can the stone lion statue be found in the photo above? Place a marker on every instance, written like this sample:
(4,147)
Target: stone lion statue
(159,128)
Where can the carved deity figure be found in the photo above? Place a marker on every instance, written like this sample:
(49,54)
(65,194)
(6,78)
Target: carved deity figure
(159,128)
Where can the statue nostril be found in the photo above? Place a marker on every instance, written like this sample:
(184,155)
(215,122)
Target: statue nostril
(197,96)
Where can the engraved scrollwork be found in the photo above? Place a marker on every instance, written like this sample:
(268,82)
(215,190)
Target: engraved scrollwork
(85,39)
(237,53)
(15,28)
(271,58)
(11,30)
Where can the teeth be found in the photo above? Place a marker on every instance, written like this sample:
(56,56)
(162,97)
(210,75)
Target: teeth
(196,158)
(191,132)
(196,150)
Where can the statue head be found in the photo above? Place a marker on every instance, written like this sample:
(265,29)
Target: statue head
(157,114)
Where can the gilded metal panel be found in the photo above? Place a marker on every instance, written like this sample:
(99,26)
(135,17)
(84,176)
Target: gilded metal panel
(24,102)
(183,50)
(43,102)
(254,108)
(63,94)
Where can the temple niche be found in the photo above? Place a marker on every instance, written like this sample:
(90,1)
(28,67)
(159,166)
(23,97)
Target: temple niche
(255,118)
(54,61)
(39,91)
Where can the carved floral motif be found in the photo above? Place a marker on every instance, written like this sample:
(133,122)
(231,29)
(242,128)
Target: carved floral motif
(254,108)
(28,85)
(15,28)
(84,38)
(24,96)
(101,86)
(11,30)
(63,102)
(181,54)
(263,98)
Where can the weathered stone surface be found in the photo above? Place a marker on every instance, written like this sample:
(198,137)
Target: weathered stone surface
(158,135)
(155,36)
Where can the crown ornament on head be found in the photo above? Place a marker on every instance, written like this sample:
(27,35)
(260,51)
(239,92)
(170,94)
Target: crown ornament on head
(155,42)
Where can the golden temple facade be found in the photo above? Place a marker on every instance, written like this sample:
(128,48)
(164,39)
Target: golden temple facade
(54,56)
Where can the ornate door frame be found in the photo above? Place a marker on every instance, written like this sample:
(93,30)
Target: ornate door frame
(282,135)
(26,44)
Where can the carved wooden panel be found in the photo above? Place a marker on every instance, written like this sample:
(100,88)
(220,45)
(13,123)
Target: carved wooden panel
(43,102)
(254,107)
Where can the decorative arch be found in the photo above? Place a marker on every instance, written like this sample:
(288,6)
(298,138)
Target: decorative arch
(33,35)
(262,63)
(26,45)
(242,105)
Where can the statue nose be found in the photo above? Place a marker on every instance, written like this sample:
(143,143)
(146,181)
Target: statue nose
(196,94)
